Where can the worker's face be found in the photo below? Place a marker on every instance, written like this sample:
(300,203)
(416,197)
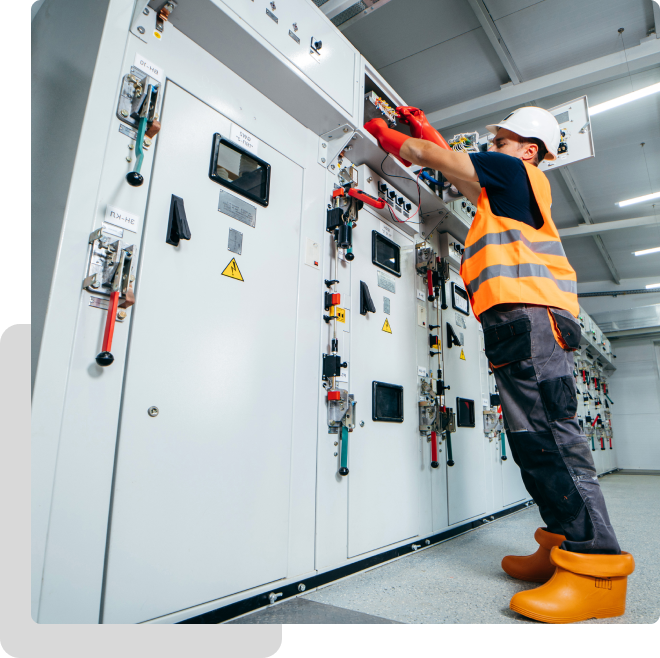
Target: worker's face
(509,143)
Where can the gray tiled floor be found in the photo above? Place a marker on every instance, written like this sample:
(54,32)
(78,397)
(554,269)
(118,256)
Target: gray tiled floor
(460,581)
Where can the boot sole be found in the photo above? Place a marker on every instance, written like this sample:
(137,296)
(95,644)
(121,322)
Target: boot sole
(603,613)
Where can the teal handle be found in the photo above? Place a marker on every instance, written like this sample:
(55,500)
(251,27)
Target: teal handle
(503,444)
(608,397)
(139,143)
(593,445)
(344,451)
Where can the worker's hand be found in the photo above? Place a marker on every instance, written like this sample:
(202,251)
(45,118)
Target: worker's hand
(414,118)
(420,126)
(389,140)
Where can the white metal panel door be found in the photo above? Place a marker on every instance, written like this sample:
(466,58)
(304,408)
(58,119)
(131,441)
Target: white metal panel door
(201,494)
(385,462)
(466,481)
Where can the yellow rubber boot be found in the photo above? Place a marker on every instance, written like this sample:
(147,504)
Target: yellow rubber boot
(535,568)
(582,587)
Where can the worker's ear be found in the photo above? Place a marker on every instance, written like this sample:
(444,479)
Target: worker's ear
(530,152)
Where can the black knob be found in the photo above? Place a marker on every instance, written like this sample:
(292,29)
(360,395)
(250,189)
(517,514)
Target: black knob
(408,206)
(451,462)
(350,256)
(134,179)
(435,464)
(463,205)
(400,200)
(104,359)
(343,365)
(318,45)
(473,213)
(504,458)
(343,471)
(382,187)
(391,194)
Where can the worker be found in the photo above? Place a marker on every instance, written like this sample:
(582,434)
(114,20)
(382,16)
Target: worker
(524,291)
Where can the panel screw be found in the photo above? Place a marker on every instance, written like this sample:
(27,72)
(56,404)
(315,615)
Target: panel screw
(121,315)
(361,423)
(335,454)
(301,587)
(332,166)
(132,278)
(147,142)
(336,443)
(427,542)
(124,113)
(354,136)
(295,27)
(146,11)
(369,179)
(140,29)
(346,130)
(131,147)
(323,145)
(129,158)
(152,411)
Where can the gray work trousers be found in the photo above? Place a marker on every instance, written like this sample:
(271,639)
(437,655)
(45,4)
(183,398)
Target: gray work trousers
(534,376)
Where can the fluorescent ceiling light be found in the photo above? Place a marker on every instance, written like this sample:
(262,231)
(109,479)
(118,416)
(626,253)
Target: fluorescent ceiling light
(626,98)
(653,285)
(646,251)
(638,199)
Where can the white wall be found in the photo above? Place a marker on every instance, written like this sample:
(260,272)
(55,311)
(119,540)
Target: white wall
(635,390)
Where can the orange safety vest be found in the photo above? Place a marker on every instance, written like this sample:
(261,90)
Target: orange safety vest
(509,262)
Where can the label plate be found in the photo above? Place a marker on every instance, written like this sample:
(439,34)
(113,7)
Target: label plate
(231,205)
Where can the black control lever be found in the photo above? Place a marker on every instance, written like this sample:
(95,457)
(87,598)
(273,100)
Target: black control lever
(452,338)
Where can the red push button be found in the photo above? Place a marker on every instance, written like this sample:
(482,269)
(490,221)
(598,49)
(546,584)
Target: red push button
(334,395)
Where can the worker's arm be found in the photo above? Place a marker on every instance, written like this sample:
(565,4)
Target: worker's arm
(468,189)
(452,164)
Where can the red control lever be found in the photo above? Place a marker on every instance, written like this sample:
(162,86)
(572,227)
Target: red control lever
(372,201)
(434,450)
(595,420)
(105,357)
(429,283)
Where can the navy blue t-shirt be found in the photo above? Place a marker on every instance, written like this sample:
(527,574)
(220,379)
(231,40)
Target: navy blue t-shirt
(508,187)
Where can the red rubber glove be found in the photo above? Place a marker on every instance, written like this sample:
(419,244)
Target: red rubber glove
(420,126)
(389,140)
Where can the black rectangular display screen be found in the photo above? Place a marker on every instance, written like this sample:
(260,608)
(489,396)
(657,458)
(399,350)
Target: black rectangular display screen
(385,253)
(465,412)
(239,170)
(387,402)
(459,299)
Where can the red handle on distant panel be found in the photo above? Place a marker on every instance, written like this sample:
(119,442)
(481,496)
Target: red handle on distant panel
(429,283)
(602,442)
(372,201)
(434,450)
(595,420)
(105,358)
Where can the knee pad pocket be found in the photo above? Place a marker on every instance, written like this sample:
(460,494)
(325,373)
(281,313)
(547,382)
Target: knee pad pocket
(559,397)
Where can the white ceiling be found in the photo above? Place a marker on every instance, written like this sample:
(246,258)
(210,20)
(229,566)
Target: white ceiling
(436,54)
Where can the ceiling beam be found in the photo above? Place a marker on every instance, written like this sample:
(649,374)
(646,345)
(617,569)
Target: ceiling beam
(584,211)
(602,227)
(496,40)
(656,17)
(645,55)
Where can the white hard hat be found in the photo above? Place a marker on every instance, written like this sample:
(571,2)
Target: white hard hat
(532,122)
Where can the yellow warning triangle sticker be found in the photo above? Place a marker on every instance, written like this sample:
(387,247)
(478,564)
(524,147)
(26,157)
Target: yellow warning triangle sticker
(462,354)
(386,326)
(232,271)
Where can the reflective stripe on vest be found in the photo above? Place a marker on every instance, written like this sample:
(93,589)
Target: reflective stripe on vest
(508,262)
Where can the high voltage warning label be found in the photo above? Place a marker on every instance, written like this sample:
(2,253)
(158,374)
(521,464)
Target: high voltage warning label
(462,354)
(232,271)
(386,326)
